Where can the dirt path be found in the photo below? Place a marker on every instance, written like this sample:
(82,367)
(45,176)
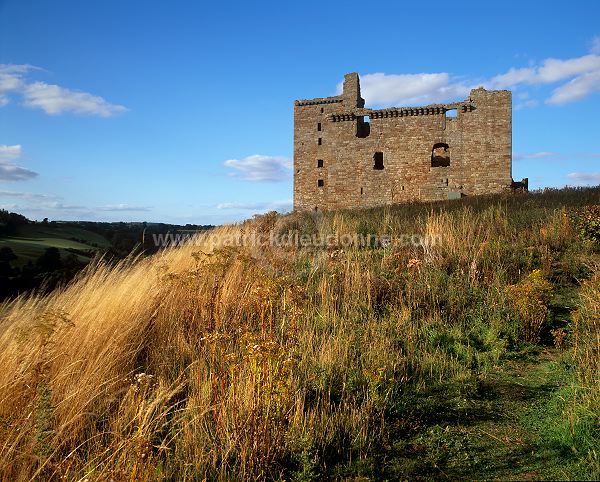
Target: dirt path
(496,434)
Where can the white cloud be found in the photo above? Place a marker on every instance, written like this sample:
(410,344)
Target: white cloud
(556,156)
(517,156)
(513,77)
(11,78)
(409,89)
(9,153)
(585,177)
(281,206)
(259,168)
(57,100)
(576,89)
(580,74)
(9,171)
(123,207)
(52,99)
(62,207)
(551,70)
(27,195)
(595,48)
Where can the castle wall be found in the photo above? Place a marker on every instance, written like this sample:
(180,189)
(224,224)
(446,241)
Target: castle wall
(426,154)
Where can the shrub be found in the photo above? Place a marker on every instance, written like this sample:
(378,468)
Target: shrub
(530,298)
(587,222)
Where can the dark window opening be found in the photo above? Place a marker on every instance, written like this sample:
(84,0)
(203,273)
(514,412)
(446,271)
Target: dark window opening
(440,155)
(318,126)
(320,163)
(452,113)
(378,161)
(320,183)
(361,191)
(320,141)
(403,188)
(321,110)
(363,126)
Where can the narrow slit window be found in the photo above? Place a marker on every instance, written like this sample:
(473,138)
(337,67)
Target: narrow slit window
(318,126)
(320,183)
(361,191)
(320,141)
(378,161)
(320,163)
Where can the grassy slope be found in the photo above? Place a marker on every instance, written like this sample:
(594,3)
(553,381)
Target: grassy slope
(279,362)
(31,241)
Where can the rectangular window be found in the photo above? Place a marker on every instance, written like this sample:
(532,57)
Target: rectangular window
(378,161)
(318,126)
(320,183)
(320,141)
(320,163)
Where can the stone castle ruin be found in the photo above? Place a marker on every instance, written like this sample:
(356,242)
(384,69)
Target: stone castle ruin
(346,156)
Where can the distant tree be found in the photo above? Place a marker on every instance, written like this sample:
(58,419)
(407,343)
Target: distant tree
(7,255)
(49,261)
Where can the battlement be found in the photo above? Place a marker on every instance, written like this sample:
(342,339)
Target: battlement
(346,155)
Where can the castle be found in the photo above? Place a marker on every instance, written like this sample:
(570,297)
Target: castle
(346,156)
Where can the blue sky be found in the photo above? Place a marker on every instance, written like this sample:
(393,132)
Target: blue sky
(182,111)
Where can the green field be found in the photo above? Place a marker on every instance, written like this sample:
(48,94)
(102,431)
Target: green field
(30,242)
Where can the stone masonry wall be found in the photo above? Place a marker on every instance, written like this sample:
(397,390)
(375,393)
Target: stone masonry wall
(346,156)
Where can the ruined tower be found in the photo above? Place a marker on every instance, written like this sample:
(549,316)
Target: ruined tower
(346,156)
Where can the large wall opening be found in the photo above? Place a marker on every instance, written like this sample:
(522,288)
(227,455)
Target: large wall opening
(378,161)
(440,155)
(363,126)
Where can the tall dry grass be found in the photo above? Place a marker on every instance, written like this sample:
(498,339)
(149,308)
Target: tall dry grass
(259,362)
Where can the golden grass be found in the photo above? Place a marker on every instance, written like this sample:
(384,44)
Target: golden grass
(248,362)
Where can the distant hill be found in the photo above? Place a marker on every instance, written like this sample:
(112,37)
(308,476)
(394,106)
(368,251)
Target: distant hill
(26,245)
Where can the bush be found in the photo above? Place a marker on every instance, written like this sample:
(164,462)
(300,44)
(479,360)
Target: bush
(530,298)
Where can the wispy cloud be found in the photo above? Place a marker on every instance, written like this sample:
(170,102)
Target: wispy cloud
(52,99)
(259,168)
(27,195)
(581,73)
(576,89)
(595,45)
(517,156)
(584,177)
(281,206)
(9,171)
(380,89)
(556,156)
(124,207)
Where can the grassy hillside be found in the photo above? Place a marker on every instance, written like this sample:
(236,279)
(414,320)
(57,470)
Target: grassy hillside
(30,241)
(460,340)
